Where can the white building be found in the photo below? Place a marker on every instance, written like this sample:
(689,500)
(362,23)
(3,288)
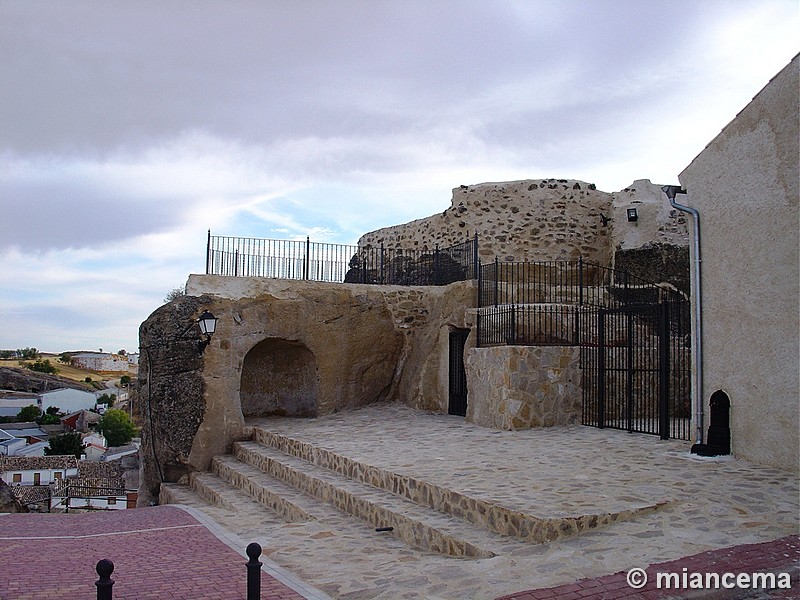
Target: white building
(67,400)
(37,470)
(744,185)
(99,361)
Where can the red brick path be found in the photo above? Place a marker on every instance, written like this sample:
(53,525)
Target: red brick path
(160,552)
(781,555)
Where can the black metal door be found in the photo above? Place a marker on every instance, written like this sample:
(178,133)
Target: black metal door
(634,370)
(457,373)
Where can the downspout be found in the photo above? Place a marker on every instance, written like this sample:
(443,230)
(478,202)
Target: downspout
(697,335)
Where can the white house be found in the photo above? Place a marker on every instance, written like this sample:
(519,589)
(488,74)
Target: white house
(67,400)
(98,486)
(9,444)
(37,470)
(95,446)
(35,449)
(100,361)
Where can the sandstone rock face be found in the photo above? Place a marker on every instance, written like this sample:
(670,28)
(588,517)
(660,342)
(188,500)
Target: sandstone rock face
(537,219)
(171,392)
(283,347)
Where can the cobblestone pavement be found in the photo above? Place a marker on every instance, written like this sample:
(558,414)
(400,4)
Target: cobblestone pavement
(711,504)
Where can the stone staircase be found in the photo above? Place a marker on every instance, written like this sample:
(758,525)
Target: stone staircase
(274,476)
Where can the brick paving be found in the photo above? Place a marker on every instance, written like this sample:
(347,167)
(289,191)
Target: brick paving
(159,552)
(779,556)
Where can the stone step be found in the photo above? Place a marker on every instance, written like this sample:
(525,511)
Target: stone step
(277,496)
(418,526)
(207,490)
(487,515)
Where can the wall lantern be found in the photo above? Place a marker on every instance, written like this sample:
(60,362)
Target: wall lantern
(632,215)
(208,324)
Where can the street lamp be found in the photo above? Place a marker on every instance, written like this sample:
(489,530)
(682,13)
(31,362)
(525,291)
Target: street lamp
(208,324)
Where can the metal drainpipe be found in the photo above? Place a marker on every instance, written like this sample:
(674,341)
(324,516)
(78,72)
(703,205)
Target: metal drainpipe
(671,191)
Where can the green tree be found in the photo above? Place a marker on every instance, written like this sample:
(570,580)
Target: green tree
(117,427)
(42,366)
(28,413)
(125,380)
(65,358)
(64,444)
(106,399)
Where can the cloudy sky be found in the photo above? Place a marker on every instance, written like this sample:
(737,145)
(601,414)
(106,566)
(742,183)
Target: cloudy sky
(128,129)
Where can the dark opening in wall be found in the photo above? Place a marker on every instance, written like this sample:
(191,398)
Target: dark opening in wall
(718,441)
(279,378)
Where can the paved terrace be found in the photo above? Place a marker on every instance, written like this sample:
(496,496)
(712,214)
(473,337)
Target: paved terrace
(704,505)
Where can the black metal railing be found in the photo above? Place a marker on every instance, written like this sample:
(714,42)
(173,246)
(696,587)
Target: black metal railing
(529,325)
(339,263)
(105,568)
(564,282)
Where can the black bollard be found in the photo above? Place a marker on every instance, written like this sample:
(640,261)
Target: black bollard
(253,572)
(105,584)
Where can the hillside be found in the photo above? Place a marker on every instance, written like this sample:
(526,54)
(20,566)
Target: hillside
(13,377)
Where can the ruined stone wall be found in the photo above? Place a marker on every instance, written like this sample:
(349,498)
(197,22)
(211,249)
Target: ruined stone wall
(537,219)
(654,247)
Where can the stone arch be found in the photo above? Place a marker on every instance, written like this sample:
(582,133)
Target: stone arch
(279,378)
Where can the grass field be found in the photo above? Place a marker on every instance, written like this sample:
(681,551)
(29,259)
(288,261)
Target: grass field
(67,371)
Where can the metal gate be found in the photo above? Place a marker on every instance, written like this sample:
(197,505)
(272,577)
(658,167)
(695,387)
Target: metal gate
(636,369)
(457,373)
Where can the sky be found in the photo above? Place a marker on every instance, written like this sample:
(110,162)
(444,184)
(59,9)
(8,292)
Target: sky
(129,129)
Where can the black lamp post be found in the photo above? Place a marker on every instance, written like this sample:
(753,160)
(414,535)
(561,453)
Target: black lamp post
(208,324)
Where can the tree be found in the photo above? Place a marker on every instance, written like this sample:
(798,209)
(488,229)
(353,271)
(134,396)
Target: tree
(106,399)
(51,416)
(42,366)
(28,413)
(117,426)
(125,380)
(65,444)
(65,358)
(174,294)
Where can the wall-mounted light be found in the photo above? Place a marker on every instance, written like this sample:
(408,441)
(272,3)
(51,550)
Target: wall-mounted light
(208,324)
(632,215)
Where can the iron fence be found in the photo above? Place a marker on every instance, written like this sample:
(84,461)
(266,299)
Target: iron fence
(316,261)
(529,325)
(634,339)
(565,282)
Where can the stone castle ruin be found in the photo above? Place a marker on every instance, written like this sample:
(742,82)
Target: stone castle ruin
(304,348)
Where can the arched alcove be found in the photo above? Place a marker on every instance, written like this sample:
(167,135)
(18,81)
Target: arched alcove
(279,377)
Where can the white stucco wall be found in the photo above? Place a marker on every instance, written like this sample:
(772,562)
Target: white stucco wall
(745,185)
(67,400)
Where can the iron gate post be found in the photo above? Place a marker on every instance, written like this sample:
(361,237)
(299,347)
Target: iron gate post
(629,412)
(601,369)
(663,369)
(496,278)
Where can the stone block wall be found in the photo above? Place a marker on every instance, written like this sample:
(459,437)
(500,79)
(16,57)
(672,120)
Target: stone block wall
(519,387)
